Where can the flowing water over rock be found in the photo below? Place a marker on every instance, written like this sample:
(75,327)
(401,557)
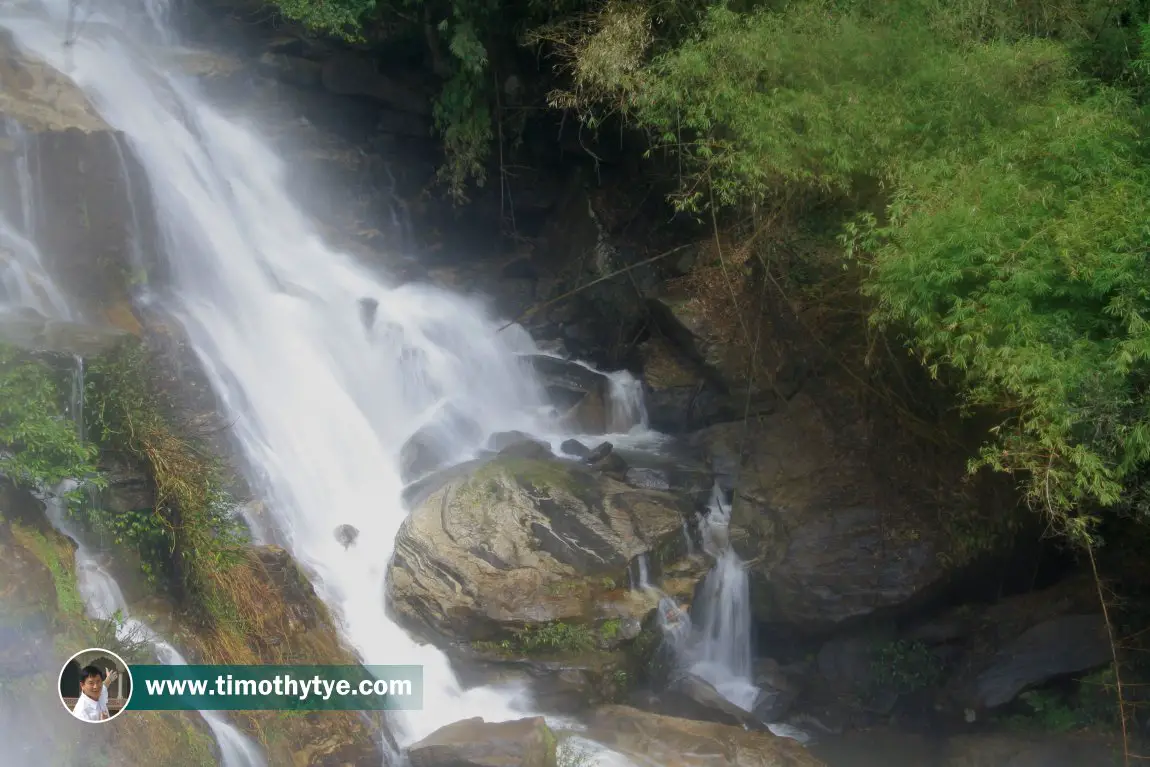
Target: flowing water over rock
(104,601)
(715,643)
(722,645)
(24,281)
(322,406)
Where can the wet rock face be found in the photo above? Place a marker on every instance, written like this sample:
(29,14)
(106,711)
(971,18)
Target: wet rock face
(27,329)
(300,606)
(827,542)
(1053,648)
(582,395)
(92,207)
(1018,643)
(674,742)
(528,541)
(40,98)
(476,743)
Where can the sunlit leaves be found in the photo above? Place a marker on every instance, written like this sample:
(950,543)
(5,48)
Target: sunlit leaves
(1011,245)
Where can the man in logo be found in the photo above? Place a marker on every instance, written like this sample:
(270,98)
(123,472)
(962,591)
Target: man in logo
(92,705)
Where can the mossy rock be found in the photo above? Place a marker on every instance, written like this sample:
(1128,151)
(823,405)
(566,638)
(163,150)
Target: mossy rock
(524,545)
(476,743)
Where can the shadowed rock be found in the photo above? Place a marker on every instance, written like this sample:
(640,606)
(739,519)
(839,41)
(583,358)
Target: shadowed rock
(674,742)
(1064,645)
(346,535)
(368,307)
(476,743)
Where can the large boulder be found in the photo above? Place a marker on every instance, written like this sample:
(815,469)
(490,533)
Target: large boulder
(530,544)
(1024,641)
(680,393)
(673,742)
(1055,648)
(92,209)
(827,540)
(476,743)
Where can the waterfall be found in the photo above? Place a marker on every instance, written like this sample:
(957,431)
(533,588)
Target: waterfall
(321,407)
(104,601)
(715,643)
(24,283)
(626,409)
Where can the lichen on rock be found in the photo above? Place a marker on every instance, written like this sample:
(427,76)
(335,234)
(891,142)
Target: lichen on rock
(524,544)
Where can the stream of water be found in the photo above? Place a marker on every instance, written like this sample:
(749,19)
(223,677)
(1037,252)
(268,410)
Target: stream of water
(103,600)
(720,650)
(24,283)
(321,407)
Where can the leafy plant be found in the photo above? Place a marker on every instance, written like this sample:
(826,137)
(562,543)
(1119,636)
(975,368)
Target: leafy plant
(39,443)
(905,667)
(190,533)
(548,637)
(991,195)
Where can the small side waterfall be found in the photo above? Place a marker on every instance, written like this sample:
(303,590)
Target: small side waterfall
(626,409)
(721,649)
(24,283)
(715,643)
(105,601)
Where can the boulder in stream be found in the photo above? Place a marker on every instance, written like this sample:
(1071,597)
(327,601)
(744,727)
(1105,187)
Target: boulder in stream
(476,743)
(529,543)
(433,446)
(673,742)
(825,539)
(346,535)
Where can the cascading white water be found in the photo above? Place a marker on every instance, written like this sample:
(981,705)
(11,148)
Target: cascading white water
(24,282)
(321,405)
(640,579)
(626,410)
(104,601)
(717,644)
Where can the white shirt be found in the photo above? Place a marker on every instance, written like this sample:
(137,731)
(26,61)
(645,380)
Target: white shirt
(87,709)
(103,702)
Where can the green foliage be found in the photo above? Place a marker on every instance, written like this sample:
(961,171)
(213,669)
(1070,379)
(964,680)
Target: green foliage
(463,117)
(1088,704)
(1024,272)
(1004,195)
(57,557)
(610,629)
(905,667)
(340,18)
(190,532)
(557,637)
(41,446)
